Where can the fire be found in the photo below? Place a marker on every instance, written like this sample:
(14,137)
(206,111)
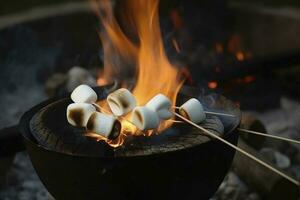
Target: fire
(240,56)
(212,84)
(154,73)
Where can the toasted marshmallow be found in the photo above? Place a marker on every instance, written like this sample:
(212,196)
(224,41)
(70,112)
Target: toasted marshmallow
(193,110)
(78,114)
(145,118)
(161,105)
(105,125)
(84,94)
(121,102)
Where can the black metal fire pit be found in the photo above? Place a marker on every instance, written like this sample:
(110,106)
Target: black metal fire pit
(156,167)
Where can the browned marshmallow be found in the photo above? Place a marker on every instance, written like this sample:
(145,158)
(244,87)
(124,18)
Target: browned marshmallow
(79,113)
(161,105)
(105,125)
(84,94)
(145,118)
(121,102)
(193,110)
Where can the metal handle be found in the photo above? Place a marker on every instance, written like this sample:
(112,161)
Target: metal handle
(11,141)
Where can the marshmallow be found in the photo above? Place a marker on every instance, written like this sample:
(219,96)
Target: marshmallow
(161,104)
(145,118)
(121,102)
(84,94)
(193,110)
(105,125)
(78,114)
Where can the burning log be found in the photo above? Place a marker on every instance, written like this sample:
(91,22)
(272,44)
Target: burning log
(265,181)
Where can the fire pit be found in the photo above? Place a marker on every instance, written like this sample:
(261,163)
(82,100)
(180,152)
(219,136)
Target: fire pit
(175,164)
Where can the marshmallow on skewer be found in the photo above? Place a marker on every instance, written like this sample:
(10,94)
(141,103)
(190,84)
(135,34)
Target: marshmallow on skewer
(121,102)
(193,110)
(78,114)
(105,125)
(161,104)
(145,118)
(84,94)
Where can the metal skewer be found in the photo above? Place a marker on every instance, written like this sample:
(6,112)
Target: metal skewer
(213,113)
(270,136)
(239,150)
(250,131)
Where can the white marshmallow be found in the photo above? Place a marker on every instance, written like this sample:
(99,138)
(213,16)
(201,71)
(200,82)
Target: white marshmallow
(193,110)
(145,118)
(121,102)
(84,94)
(78,114)
(105,125)
(161,104)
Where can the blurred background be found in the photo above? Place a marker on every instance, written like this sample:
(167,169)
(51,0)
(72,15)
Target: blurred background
(247,50)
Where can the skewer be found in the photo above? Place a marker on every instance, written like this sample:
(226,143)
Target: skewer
(239,150)
(270,136)
(224,114)
(213,113)
(250,131)
(121,117)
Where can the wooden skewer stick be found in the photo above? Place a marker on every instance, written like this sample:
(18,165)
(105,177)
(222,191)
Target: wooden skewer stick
(239,150)
(270,136)
(213,113)
(121,117)
(253,132)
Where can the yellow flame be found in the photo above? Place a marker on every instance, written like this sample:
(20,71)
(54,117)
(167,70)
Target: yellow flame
(155,74)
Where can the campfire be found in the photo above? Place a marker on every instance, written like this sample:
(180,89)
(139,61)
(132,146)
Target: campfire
(151,107)
(154,73)
(147,124)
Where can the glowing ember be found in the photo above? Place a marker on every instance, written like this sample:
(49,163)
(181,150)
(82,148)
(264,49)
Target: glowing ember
(240,56)
(246,79)
(212,85)
(155,74)
(219,48)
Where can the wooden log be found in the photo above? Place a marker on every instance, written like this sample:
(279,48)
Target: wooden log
(250,122)
(261,179)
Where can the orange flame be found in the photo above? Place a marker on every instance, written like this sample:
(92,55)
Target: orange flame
(155,74)
(212,84)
